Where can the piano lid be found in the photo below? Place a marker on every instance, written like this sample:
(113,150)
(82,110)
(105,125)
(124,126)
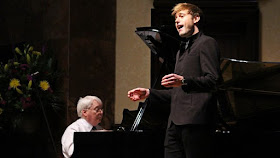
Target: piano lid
(260,77)
(253,91)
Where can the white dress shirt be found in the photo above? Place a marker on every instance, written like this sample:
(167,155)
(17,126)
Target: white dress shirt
(80,125)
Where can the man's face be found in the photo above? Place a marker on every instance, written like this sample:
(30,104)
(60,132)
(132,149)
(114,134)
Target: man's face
(185,23)
(94,114)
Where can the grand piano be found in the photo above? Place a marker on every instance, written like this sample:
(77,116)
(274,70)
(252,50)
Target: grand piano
(249,110)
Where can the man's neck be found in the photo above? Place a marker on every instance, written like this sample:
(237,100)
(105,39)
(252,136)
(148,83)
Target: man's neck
(195,31)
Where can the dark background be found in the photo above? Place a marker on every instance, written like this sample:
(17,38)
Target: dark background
(83,35)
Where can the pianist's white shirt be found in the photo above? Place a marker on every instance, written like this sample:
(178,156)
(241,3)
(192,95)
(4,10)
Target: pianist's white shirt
(80,125)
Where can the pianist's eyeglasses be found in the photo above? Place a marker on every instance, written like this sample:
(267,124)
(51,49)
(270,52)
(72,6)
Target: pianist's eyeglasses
(96,109)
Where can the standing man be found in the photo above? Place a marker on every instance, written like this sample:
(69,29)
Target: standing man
(191,93)
(90,111)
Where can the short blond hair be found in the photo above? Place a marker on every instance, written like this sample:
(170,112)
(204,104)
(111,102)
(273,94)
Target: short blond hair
(193,10)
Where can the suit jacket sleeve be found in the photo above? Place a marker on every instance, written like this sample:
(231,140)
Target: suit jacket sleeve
(160,96)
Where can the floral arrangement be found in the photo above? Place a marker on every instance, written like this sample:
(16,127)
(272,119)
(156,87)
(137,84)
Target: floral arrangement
(28,83)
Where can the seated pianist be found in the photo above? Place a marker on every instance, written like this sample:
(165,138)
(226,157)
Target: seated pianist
(90,111)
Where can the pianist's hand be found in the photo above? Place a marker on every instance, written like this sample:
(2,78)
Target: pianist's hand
(138,94)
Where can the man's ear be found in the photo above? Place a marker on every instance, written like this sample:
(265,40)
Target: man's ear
(84,112)
(196,19)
